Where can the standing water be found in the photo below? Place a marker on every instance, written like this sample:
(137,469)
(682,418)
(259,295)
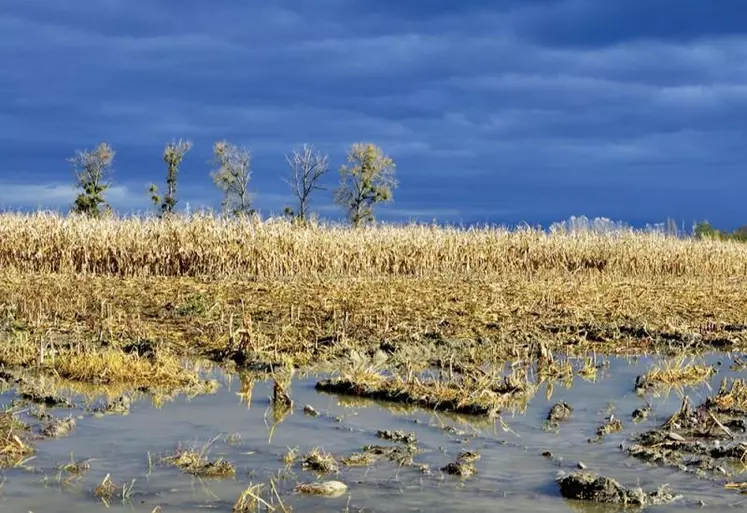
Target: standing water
(520,457)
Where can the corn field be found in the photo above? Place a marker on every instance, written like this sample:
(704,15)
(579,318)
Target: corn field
(211,246)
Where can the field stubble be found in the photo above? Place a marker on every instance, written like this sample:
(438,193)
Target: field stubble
(125,301)
(461,321)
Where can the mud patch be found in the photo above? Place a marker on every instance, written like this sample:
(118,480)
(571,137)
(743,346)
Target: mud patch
(432,395)
(588,486)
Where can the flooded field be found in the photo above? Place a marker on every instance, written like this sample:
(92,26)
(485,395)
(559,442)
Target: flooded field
(509,463)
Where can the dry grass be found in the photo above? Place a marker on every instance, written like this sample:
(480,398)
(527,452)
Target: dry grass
(107,489)
(290,456)
(251,500)
(211,246)
(99,365)
(731,397)
(679,371)
(14,445)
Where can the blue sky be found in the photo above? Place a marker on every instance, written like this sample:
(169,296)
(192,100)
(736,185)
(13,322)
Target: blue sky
(495,111)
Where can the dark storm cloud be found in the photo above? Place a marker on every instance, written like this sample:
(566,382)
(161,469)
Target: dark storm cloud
(494,111)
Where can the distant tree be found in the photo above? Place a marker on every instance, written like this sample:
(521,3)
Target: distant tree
(92,170)
(704,230)
(740,233)
(307,167)
(173,155)
(367,180)
(232,175)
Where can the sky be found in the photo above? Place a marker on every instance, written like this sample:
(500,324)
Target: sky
(495,111)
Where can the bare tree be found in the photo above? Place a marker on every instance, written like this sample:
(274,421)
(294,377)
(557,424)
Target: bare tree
(366,181)
(307,167)
(92,169)
(173,155)
(232,175)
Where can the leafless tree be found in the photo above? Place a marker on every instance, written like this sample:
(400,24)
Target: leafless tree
(307,167)
(232,175)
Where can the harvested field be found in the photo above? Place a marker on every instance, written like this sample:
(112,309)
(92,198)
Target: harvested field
(327,364)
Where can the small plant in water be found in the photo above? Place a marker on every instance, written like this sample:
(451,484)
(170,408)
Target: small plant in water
(290,456)
(106,490)
(251,500)
(197,463)
(76,467)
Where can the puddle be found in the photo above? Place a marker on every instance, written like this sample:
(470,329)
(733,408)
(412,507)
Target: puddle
(511,474)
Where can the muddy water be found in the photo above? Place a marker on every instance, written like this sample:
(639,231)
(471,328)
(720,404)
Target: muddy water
(512,474)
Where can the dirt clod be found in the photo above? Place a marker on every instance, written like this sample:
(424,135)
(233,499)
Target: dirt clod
(320,461)
(57,428)
(119,406)
(46,398)
(459,468)
(584,485)
(612,425)
(559,412)
(469,456)
(641,414)
(397,436)
(402,455)
(324,488)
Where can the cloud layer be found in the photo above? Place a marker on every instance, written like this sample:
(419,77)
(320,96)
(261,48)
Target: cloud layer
(498,111)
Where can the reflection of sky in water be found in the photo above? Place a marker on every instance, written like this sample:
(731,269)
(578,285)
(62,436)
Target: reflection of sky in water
(511,475)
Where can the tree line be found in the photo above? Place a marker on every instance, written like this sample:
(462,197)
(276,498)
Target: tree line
(704,230)
(366,180)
